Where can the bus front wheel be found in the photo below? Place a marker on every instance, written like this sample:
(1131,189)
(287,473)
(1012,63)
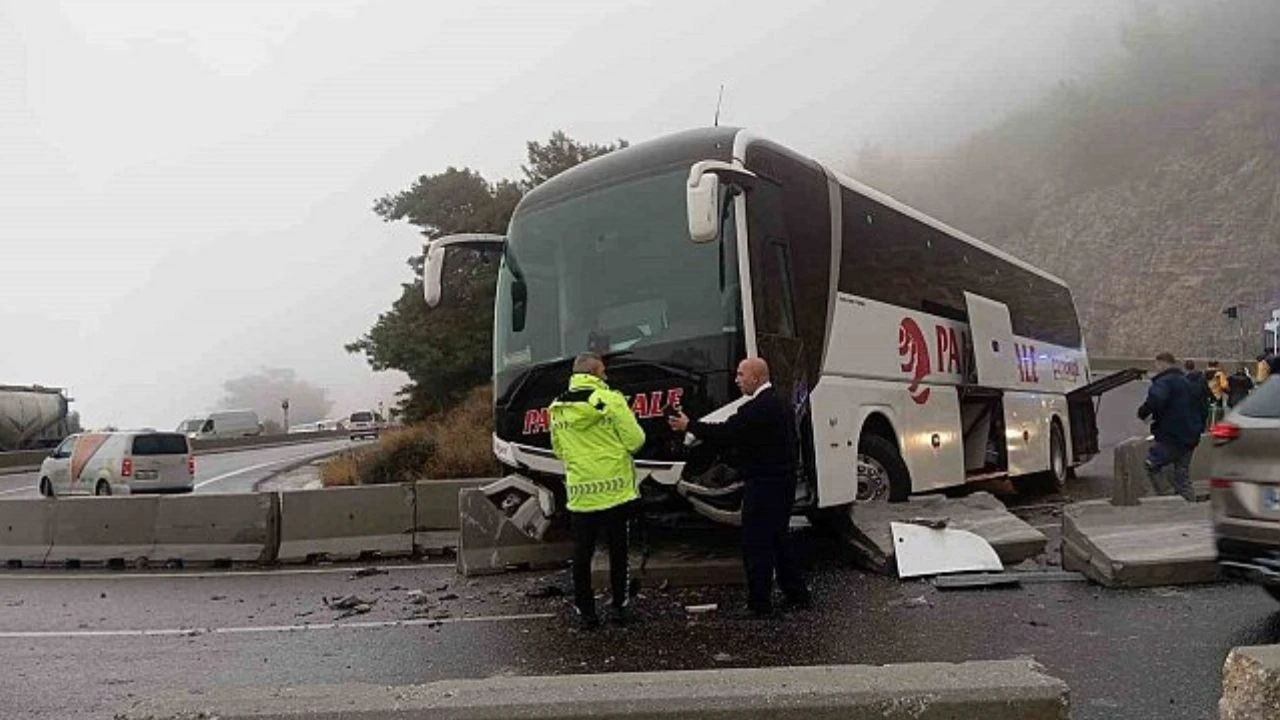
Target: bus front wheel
(882,474)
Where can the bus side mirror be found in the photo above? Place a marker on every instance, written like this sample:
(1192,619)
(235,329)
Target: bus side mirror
(702,196)
(431,273)
(433,269)
(704,210)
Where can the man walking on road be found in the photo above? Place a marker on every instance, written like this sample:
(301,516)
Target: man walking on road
(1199,392)
(595,434)
(1176,423)
(762,431)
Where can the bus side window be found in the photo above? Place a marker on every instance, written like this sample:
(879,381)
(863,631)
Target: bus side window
(780,277)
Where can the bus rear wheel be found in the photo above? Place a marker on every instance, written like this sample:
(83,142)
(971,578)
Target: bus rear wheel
(882,473)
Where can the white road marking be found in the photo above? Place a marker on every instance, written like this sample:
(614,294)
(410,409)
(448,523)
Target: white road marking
(259,466)
(249,630)
(182,575)
(24,488)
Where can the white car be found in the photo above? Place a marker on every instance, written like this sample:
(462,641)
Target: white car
(119,463)
(363,424)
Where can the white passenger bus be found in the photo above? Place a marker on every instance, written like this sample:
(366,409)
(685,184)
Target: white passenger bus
(917,358)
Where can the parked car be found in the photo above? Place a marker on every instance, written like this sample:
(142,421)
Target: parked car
(363,424)
(1245,489)
(222,424)
(119,463)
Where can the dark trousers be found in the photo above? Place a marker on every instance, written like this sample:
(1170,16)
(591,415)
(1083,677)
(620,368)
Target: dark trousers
(766,548)
(1164,456)
(587,526)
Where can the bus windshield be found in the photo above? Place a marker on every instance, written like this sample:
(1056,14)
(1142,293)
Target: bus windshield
(612,269)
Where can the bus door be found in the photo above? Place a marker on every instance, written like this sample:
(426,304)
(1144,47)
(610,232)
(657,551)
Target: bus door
(773,288)
(994,351)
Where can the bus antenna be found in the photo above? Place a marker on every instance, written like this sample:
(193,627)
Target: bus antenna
(719,100)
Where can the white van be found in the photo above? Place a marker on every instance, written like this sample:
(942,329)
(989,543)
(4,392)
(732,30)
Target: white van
(119,463)
(222,424)
(363,424)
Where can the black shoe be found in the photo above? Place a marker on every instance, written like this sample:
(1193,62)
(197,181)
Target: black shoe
(620,616)
(587,620)
(797,604)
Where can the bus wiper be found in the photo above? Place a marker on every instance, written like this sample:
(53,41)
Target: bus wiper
(639,362)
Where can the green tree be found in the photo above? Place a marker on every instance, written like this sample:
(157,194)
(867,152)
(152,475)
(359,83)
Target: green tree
(447,350)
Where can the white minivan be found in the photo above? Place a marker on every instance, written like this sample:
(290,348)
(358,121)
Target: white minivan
(119,463)
(222,424)
(363,424)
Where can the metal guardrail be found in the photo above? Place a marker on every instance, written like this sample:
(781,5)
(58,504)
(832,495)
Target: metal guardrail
(1113,363)
(27,460)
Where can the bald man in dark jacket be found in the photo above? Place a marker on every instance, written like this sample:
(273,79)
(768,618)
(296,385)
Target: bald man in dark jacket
(762,432)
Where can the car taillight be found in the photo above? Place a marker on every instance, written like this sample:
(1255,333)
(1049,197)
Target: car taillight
(1224,432)
(191,465)
(1219,483)
(126,467)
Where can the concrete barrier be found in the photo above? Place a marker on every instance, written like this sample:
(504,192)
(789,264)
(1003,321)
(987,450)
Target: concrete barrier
(491,542)
(261,442)
(103,529)
(1251,684)
(26,531)
(435,517)
(217,528)
(346,523)
(991,690)
(1130,480)
(19,462)
(1160,541)
(980,513)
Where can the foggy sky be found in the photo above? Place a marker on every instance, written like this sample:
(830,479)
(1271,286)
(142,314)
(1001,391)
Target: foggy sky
(185,186)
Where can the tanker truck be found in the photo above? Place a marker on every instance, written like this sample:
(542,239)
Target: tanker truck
(32,417)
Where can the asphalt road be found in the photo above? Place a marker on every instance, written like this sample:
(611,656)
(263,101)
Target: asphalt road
(229,472)
(91,644)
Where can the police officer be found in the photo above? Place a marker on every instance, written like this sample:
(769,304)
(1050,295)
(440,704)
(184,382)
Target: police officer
(763,433)
(595,434)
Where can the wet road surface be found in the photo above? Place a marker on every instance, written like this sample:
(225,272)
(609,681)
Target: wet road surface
(229,472)
(89,644)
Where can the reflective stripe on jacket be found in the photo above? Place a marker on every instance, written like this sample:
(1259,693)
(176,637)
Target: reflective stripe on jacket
(594,434)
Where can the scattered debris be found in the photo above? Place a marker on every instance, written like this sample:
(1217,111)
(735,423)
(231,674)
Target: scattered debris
(722,657)
(448,596)
(217,598)
(664,585)
(546,591)
(15,603)
(102,596)
(969,581)
(367,572)
(347,602)
(915,602)
(701,609)
(931,523)
(304,613)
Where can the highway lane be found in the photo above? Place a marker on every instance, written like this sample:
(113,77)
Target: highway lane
(228,472)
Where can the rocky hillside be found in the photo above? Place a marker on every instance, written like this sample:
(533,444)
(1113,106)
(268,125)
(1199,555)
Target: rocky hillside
(1153,188)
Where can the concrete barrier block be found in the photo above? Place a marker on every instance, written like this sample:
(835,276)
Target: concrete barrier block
(436,502)
(991,690)
(26,531)
(22,461)
(1160,541)
(980,513)
(216,528)
(1251,684)
(103,529)
(1130,481)
(346,522)
(490,542)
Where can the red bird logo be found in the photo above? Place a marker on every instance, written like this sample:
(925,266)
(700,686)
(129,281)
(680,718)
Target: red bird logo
(914,352)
